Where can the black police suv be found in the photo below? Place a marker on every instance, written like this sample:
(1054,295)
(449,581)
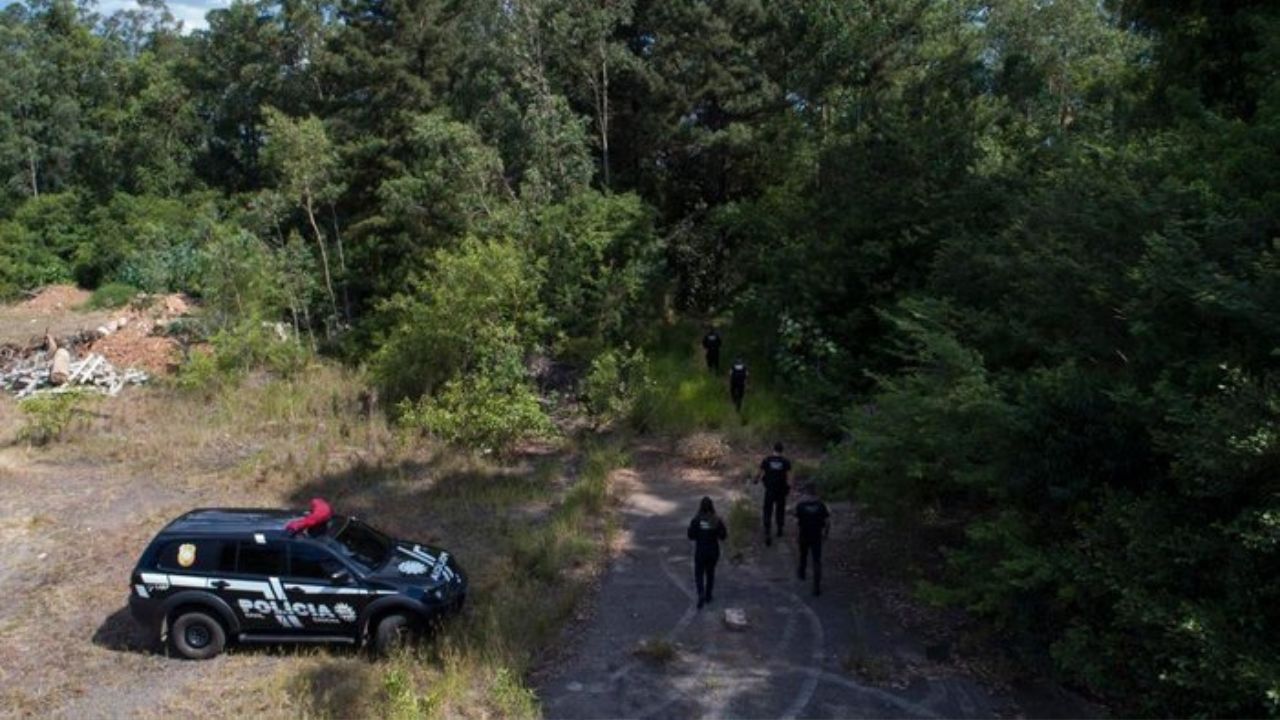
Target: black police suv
(251,575)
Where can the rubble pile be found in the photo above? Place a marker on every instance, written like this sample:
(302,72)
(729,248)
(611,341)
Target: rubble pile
(127,349)
(38,373)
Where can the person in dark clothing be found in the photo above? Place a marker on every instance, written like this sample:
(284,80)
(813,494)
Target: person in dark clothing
(711,343)
(812,518)
(706,530)
(773,472)
(738,383)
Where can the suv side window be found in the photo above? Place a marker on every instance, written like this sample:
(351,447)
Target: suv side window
(199,556)
(261,558)
(309,561)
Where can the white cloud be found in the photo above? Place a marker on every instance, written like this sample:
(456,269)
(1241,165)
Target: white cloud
(190,12)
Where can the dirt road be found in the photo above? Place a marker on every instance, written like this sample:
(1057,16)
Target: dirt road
(790,663)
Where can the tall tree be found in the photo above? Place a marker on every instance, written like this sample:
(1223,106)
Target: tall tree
(301,153)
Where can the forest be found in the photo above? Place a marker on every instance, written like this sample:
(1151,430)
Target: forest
(1015,264)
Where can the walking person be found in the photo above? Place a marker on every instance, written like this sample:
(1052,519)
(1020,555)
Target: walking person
(706,530)
(813,519)
(773,472)
(711,344)
(738,383)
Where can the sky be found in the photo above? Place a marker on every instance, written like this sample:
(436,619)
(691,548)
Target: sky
(190,12)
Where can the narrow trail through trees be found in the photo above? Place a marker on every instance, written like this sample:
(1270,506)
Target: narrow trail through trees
(788,664)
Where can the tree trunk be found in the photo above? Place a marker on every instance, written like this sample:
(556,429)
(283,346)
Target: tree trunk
(324,254)
(31,166)
(342,265)
(604,111)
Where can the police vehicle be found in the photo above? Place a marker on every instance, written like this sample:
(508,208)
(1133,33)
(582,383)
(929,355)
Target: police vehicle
(220,575)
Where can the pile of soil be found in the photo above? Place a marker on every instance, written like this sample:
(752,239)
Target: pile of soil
(135,344)
(56,297)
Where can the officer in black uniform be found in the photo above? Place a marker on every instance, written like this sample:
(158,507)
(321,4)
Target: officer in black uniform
(738,383)
(706,530)
(812,518)
(773,471)
(711,343)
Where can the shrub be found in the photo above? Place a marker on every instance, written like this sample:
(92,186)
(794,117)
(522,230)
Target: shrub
(112,295)
(199,373)
(47,417)
(480,412)
(599,256)
(256,345)
(477,308)
(615,380)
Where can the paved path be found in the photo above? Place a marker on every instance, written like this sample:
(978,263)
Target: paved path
(787,665)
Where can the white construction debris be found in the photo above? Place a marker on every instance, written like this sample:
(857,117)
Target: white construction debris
(736,619)
(94,373)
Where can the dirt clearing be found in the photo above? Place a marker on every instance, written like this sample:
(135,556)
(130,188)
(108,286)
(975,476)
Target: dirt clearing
(75,515)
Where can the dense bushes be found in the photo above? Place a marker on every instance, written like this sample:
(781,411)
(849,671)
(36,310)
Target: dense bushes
(453,354)
(148,242)
(1105,436)
(463,334)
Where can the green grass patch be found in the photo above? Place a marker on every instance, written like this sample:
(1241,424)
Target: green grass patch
(684,396)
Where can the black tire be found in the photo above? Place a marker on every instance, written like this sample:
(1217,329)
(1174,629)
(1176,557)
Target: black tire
(393,632)
(196,636)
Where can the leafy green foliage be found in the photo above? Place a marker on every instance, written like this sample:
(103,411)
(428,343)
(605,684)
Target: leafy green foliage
(614,383)
(599,258)
(112,295)
(47,417)
(476,310)
(479,411)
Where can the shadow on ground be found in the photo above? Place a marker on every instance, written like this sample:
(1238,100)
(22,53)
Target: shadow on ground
(119,632)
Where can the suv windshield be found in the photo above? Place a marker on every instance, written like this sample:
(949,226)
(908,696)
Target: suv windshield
(366,546)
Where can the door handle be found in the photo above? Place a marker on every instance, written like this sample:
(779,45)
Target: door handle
(219,584)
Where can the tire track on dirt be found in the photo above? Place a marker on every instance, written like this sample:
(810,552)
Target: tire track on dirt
(780,667)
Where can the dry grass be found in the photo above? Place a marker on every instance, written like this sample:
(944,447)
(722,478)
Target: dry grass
(704,449)
(530,531)
(658,651)
(24,325)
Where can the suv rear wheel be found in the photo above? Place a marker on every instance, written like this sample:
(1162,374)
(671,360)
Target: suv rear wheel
(196,635)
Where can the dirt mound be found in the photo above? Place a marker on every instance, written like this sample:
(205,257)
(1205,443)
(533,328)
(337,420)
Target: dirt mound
(132,339)
(129,337)
(175,305)
(135,347)
(56,297)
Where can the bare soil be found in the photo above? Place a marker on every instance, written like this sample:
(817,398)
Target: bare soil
(55,311)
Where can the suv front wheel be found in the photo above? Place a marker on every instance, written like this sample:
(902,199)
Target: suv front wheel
(196,636)
(392,633)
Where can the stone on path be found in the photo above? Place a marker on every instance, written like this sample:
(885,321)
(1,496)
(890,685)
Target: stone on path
(736,619)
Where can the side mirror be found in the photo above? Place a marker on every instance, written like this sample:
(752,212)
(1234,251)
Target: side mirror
(341,577)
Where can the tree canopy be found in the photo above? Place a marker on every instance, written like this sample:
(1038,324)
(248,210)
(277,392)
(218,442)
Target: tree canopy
(1017,261)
